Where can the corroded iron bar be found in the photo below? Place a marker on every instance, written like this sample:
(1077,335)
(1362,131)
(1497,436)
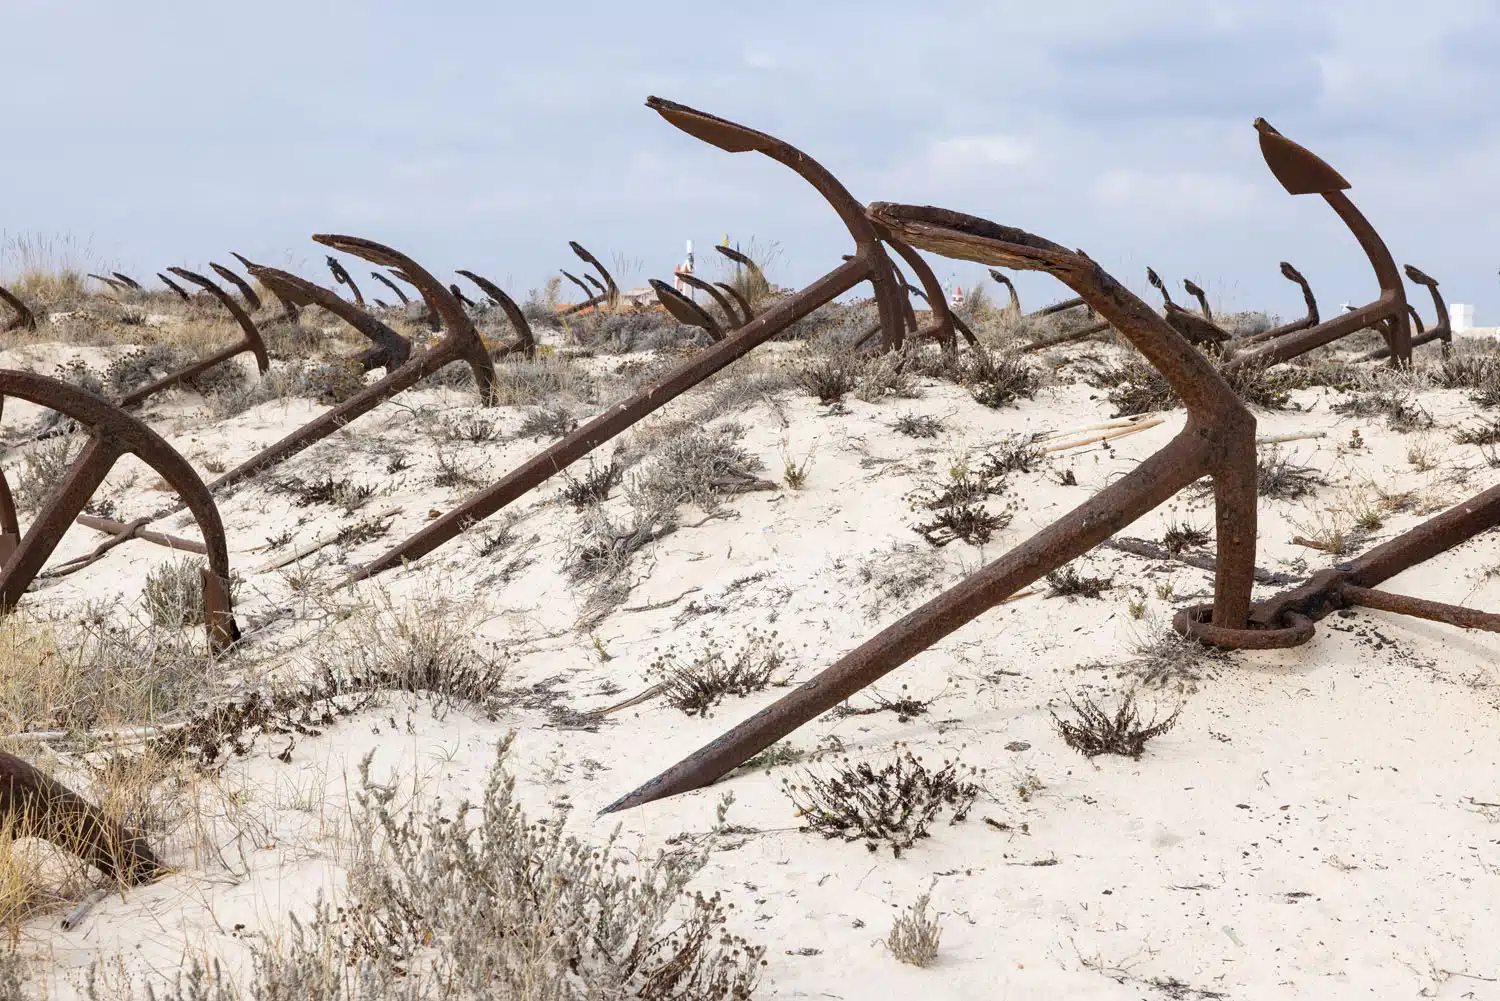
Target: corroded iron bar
(391,350)
(588,293)
(1187,323)
(251,299)
(113,433)
(1302,172)
(434,318)
(1196,291)
(24,316)
(113,283)
(130,282)
(943,325)
(525,342)
(458,294)
(1219,440)
(35,805)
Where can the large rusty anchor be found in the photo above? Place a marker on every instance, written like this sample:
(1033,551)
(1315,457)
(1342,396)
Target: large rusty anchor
(1302,172)
(24,319)
(251,342)
(1442,330)
(610,289)
(869,263)
(731,318)
(1218,440)
(113,433)
(1287,619)
(181,292)
(291,309)
(342,277)
(252,301)
(684,310)
(400,292)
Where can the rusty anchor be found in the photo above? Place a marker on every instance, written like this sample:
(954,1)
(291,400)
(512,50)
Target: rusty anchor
(434,318)
(113,283)
(251,342)
(1196,291)
(757,276)
(525,342)
(1219,440)
(1309,318)
(390,351)
(24,318)
(610,289)
(113,433)
(746,313)
(589,298)
(1015,301)
(458,294)
(1302,172)
(342,277)
(730,316)
(1442,330)
(1287,619)
(252,301)
(128,281)
(868,264)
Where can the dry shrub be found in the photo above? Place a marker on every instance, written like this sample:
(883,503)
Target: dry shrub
(914,935)
(697,681)
(1096,731)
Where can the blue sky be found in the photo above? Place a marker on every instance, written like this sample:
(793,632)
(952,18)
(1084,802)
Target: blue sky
(485,136)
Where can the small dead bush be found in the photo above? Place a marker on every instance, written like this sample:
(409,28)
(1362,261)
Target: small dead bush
(340,493)
(1483,434)
(552,421)
(1278,477)
(43,469)
(1069,583)
(914,935)
(143,366)
(453,471)
(1400,413)
(594,486)
(895,804)
(699,466)
(887,374)
(918,425)
(829,377)
(1094,731)
(1000,382)
(1179,538)
(697,680)
(174,592)
(1136,387)
(956,503)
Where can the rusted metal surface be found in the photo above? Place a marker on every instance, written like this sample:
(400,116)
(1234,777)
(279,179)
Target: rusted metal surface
(169,283)
(10,527)
(461,343)
(684,310)
(112,433)
(35,805)
(24,317)
(746,313)
(342,277)
(291,307)
(120,533)
(1309,318)
(251,299)
(391,349)
(1287,619)
(944,323)
(1058,307)
(525,342)
(251,342)
(693,281)
(1219,440)
(1187,323)
(1004,279)
(434,316)
(1196,291)
(128,281)
(579,307)
(596,283)
(400,294)
(611,290)
(1442,330)
(1301,172)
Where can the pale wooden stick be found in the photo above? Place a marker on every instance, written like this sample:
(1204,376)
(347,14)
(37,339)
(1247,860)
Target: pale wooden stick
(1095,439)
(1277,439)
